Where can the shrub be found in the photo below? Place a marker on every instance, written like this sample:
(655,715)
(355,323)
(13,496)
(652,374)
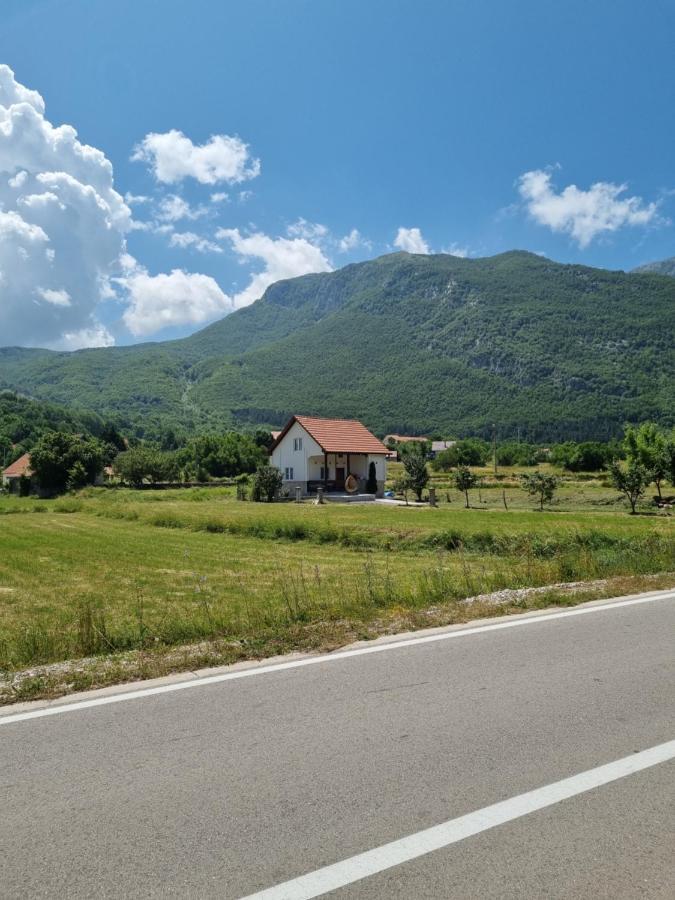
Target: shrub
(267,483)
(417,474)
(464,481)
(540,485)
(631,481)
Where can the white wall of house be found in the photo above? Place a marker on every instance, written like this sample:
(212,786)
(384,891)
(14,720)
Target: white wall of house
(286,457)
(380,461)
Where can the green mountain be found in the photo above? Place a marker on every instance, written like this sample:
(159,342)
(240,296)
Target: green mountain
(407,343)
(662,267)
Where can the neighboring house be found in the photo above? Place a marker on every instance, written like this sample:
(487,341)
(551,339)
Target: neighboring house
(331,453)
(275,434)
(439,446)
(394,440)
(404,438)
(12,475)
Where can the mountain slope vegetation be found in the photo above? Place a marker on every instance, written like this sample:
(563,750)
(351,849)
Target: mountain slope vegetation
(405,342)
(661,267)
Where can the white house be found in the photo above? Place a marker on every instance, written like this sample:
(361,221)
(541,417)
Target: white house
(331,453)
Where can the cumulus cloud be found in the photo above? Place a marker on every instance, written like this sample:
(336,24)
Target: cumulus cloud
(353,241)
(281,257)
(176,298)
(173,157)
(62,226)
(311,231)
(411,240)
(172,208)
(457,250)
(582,214)
(185,239)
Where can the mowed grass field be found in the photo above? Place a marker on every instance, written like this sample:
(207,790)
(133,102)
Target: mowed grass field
(111,572)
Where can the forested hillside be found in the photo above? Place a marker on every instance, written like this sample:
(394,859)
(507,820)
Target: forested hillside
(24,421)
(406,343)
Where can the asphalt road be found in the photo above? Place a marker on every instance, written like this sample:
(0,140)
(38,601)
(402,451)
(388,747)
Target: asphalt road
(230,788)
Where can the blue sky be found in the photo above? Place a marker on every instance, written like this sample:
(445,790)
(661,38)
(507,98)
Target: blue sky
(465,124)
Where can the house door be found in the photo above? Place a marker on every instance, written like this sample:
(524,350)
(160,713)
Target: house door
(339,478)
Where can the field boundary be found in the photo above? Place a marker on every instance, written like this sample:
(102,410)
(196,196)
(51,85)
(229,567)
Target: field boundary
(231,673)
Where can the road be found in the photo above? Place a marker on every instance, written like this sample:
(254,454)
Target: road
(235,786)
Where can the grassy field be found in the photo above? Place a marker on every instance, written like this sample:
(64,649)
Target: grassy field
(129,576)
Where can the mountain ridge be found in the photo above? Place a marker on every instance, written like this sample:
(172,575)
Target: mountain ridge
(404,342)
(658,267)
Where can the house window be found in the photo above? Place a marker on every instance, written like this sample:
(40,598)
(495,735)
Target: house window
(297,443)
(289,473)
(323,473)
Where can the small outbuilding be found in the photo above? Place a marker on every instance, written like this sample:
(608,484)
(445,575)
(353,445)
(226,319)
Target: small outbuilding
(17,474)
(334,454)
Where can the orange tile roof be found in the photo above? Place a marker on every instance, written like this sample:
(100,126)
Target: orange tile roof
(338,435)
(403,438)
(19,467)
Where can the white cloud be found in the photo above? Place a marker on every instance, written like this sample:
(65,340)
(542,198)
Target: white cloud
(282,258)
(97,336)
(411,240)
(353,241)
(457,250)
(62,225)
(172,208)
(185,239)
(56,298)
(172,157)
(582,214)
(177,298)
(220,197)
(311,231)
(135,199)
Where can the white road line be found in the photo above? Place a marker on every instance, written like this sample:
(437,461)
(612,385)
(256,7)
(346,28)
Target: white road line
(514,622)
(330,878)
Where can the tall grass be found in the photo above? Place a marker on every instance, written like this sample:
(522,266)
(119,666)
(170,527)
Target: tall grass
(302,595)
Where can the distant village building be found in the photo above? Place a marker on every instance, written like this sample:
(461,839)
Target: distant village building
(17,474)
(393,440)
(404,438)
(439,446)
(334,454)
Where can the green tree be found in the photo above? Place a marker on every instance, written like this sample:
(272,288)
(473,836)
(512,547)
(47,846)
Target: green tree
(402,486)
(587,456)
(140,464)
(631,480)
(267,483)
(464,481)
(415,466)
(223,455)
(55,455)
(648,446)
(77,476)
(540,485)
(670,451)
(445,460)
(472,451)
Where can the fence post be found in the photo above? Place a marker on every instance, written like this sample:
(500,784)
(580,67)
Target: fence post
(298,494)
(432,496)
